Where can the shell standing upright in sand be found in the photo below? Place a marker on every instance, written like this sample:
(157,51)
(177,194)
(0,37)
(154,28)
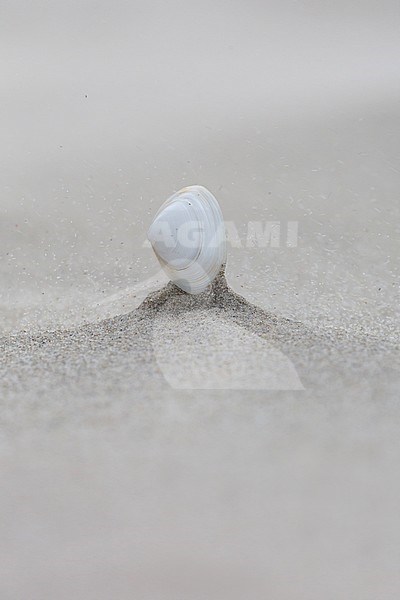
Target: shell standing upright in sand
(188,238)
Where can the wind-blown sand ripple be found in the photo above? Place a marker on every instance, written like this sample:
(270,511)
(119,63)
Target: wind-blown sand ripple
(175,343)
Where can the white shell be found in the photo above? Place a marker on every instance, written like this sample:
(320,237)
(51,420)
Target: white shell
(188,238)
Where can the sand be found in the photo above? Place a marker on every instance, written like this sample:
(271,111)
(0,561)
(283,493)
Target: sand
(242,444)
(122,474)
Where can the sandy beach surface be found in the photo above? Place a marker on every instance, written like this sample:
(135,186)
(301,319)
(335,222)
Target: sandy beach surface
(243,443)
(122,473)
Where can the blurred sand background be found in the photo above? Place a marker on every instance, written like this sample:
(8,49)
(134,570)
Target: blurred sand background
(121,477)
